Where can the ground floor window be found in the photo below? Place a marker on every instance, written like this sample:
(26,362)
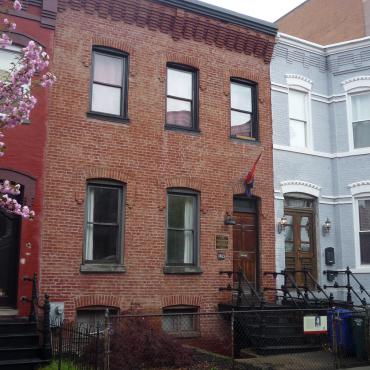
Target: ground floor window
(364,230)
(92,318)
(181,321)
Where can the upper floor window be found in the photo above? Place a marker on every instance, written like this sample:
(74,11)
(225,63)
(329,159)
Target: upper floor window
(361,120)
(298,122)
(182,97)
(104,222)
(364,230)
(243,110)
(8,56)
(109,83)
(182,228)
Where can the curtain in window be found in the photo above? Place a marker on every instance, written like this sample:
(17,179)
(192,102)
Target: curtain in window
(89,226)
(188,226)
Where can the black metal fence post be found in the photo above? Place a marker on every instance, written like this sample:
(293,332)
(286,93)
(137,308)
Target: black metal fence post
(46,347)
(60,347)
(106,340)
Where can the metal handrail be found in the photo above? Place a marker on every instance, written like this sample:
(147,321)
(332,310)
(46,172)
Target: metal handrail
(33,317)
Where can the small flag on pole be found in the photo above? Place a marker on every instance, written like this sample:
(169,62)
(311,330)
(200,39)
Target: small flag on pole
(249,178)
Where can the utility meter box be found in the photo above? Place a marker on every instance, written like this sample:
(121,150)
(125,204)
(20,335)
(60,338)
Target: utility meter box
(56,313)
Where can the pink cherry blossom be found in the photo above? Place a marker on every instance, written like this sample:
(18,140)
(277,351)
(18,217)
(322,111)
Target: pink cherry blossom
(17,102)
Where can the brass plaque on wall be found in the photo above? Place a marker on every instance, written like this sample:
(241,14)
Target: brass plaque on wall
(222,241)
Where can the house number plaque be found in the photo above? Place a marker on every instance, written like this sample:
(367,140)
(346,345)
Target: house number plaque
(222,241)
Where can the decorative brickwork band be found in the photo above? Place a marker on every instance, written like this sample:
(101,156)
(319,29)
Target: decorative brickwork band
(176,182)
(179,24)
(103,173)
(181,300)
(97,300)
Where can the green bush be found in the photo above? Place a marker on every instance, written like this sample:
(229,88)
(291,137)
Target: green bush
(65,365)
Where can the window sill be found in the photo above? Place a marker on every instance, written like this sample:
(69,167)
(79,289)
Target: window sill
(183,335)
(183,270)
(101,267)
(245,140)
(105,117)
(182,129)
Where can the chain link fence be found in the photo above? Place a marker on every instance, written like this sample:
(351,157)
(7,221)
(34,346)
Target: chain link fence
(269,339)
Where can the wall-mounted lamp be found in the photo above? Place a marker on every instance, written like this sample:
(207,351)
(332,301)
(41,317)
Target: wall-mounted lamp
(229,220)
(327,226)
(282,224)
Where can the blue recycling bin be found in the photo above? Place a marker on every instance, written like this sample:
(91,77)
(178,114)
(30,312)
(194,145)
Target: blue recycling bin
(343,329)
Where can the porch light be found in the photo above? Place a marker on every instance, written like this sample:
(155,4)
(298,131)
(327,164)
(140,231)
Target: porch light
(229,220)
(282,224)
(327,226)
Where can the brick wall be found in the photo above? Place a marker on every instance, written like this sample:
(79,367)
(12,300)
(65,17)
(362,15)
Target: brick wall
(325,22)
(149,158)
(23,160)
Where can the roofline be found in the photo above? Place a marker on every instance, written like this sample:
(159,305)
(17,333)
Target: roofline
(224,15)
(323,49)
(291,11)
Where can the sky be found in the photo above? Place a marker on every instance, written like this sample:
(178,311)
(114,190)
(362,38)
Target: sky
(268,10)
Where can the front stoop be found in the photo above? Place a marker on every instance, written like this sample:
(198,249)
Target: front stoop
(19,344)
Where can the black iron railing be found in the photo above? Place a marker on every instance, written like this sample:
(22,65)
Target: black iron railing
(43,325)
(348,286)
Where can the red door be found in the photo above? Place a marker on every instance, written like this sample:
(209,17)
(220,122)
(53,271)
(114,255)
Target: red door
(245,243)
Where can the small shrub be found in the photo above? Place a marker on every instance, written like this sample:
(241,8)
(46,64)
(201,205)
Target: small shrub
(65,365)
(135,343)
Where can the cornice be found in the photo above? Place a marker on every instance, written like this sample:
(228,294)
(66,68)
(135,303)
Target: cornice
(298,80)
(180,23)
(302,183)
(46,17)
(356,82)
(359,183)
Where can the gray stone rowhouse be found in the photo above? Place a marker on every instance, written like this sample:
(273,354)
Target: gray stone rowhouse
(322,153)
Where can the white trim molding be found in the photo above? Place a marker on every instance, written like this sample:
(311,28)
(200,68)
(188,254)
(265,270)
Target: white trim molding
(298,186)
(360,187)
(358,82)
(299,81)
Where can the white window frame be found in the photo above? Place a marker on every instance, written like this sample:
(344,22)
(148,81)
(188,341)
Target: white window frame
(355,86)
(359,191)
(303,85)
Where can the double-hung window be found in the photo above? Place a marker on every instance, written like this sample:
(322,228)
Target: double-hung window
(364,230)
(298,112)
(182,98)
(182,228)
(244,123)
(104,222)
(361,120)
(109,83)
(181,321)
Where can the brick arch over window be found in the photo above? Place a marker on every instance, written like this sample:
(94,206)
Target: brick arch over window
(181,58)
(245,74)
(181,300)
(97,300)
(108,42)
(22,39)
(83,176)
(177,182)
(28,182)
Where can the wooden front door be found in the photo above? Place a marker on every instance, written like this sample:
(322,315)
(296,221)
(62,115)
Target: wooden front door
(300,250)
(245,245)
(9,254)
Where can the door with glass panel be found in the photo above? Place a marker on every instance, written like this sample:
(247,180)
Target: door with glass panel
(300,251)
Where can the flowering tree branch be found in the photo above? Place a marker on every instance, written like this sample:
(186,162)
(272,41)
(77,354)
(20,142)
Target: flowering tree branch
(17,102)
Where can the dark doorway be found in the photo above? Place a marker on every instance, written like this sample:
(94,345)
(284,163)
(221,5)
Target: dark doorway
(245,238)
(9,255)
